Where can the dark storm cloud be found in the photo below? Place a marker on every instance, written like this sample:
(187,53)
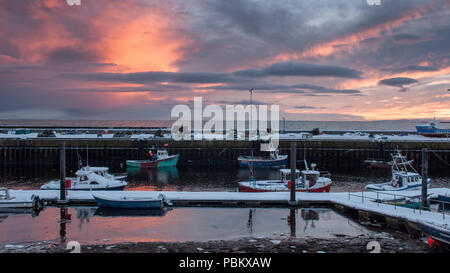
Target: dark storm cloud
(305,89)
(398,82)
(300,69)
(304,107)
(414,68)
(144,77)
(71,55)
(275,70)
(229,33)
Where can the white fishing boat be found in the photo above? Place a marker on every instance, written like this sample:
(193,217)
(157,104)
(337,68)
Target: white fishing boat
(89,178)
(9,202)
(104,171)
(404,176)
(309,180)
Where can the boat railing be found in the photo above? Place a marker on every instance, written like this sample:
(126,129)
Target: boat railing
(400,197)
(325,174)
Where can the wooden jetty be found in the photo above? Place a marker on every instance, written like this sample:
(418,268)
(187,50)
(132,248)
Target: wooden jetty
(365,204)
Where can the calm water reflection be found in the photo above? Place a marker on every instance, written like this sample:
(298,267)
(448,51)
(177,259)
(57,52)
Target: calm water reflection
(90,225)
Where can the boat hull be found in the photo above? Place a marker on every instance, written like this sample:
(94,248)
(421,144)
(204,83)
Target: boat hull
(247,187)
(262,162)
(128,204)
(56,186)
(431,131)
(388,186)
(16,204)
(170,161)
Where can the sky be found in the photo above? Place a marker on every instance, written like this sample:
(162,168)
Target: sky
(136,59)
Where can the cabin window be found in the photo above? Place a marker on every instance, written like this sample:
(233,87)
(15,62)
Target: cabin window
(84,178)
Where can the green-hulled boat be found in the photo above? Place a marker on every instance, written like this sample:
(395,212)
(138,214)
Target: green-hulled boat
(163,159)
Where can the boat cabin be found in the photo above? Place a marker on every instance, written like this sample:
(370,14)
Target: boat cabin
(274,154)
(162,154)
(4,194)
(402,179)
(311,177)
(103,171)
(286,175)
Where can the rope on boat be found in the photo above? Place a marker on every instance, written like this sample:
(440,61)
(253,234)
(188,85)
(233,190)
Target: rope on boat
(448,164)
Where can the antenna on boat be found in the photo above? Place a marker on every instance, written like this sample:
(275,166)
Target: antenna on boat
(304,157)
(87,155)
(251,171)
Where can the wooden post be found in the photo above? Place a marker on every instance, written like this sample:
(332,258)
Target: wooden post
(62,171)
(424,176)
(292,222)
(293,174)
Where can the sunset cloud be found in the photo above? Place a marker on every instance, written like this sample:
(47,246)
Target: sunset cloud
(134,59)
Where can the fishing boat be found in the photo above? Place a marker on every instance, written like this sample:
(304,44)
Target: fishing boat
(404,176)
(124,202)
(161,159)
(306,181)
(274,160)
(11,202)
(431,129)
(88,178)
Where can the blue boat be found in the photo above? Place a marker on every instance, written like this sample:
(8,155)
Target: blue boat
(273,161)
(130,202)
(444,201)
(431,130)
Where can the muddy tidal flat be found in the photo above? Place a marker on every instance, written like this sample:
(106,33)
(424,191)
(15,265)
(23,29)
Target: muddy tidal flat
(389,243)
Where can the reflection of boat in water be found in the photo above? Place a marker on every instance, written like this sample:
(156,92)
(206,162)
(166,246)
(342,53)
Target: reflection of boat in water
(158,176)
(273,160)
(90,178)
(309,181)
(161,159)
(114,212)
(402,177)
